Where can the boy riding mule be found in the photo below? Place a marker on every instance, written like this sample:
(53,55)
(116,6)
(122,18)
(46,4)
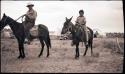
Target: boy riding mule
(78,35)
(81,20)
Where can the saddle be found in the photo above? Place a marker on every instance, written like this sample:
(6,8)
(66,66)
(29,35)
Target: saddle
(80,27)
(81,32)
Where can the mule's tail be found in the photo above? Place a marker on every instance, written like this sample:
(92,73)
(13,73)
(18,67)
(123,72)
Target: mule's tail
(90,42)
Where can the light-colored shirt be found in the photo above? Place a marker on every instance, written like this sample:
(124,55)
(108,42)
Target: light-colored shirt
(81,20)
(32,14)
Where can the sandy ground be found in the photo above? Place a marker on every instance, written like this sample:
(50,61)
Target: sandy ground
(62,58)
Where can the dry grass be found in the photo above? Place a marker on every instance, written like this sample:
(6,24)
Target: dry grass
(62,57)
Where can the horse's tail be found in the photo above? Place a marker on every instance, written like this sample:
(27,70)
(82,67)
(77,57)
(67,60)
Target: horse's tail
(90,42)
(49,41)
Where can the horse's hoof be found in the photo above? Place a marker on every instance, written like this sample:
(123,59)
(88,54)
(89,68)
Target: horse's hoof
(39,56)
(23,57)
(76,57)
(47,56)
(19,57)
(84,54)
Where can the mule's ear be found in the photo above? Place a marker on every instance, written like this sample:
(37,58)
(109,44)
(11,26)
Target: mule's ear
(70,18)
(66,19)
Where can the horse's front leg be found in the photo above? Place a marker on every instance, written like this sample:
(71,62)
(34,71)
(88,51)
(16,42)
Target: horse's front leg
(20,53)
(77,50)
(21,48)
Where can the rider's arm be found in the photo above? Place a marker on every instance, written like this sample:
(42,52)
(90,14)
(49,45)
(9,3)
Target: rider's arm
(77,21)
(84,20)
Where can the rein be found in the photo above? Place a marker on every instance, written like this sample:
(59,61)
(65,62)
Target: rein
(13,20)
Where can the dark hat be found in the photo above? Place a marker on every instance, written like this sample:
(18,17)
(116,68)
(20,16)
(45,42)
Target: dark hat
(81,11)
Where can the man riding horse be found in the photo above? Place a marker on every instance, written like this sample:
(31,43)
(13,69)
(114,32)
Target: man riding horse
(30,18)
(81,21)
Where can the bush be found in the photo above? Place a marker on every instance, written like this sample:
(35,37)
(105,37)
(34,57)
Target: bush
(109,45)
(114,46)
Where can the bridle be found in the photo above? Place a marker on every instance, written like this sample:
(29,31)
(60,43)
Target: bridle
(69,28)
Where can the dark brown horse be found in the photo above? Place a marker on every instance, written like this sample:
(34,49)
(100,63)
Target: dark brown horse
(76,32)
(19,32)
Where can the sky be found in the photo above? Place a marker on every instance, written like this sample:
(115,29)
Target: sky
(106,16)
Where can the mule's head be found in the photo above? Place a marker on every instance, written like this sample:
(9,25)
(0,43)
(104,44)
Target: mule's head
(66,25)
(3,21)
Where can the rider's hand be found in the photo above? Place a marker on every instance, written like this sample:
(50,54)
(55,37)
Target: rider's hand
(77,22)
(23,15)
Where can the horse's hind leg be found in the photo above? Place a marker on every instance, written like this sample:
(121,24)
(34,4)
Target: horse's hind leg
(42,44)
(91,50)
(47,44)
(47,51)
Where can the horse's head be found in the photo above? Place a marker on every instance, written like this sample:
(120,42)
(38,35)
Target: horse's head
(66,25)
(3,21)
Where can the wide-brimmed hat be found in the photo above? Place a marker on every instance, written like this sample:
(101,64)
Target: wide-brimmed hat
(29,4)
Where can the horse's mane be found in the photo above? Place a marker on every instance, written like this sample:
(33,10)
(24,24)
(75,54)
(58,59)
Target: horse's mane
(13,20)
(15,26)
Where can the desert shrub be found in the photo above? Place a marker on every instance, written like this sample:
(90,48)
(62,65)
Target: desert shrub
(114,46)
(97,43)
(121,45)
(109,44)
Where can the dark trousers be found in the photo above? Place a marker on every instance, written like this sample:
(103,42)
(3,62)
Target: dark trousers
(28,26)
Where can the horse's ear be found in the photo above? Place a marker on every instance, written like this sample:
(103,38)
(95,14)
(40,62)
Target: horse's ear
(4,14)
(70,18)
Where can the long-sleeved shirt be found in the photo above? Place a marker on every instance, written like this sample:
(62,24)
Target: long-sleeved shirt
(30,19)
(81,20)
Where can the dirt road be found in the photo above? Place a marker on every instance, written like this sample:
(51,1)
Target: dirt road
(61,59)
